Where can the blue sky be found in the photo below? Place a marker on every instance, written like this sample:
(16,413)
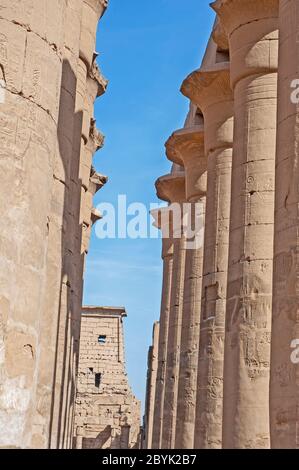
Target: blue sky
(147,48)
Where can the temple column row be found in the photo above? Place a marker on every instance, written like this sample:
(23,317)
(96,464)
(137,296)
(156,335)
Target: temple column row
(230,327)
(235,298)
(167,256)
(186,148)
(171,188)
(209,88)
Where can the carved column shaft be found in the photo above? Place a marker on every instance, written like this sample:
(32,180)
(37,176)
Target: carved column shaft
(186,147)
(210,88)
(284,385)
(172,189)
(173,344)
(167,256)
(187,388)
(31,46)
(252,31)
(151,386)
(77,204)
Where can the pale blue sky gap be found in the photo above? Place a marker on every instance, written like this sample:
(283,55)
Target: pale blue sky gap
(147,48)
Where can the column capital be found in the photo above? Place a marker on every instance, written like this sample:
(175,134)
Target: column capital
(209,88)
(95,215)
(100,82)
(252,29)
(219,36)
(163,220)
(186,147)
(236,13)
(208,85)
(96,181)
(171,187)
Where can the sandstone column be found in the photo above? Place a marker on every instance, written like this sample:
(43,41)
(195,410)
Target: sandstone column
(172,189)
(186,147)
(167,256)
(31,47)
(284,385)
(76,137)
(210,89)
(253,37)
(152,367)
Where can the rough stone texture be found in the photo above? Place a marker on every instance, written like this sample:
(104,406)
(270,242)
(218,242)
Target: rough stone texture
(209,88)
(252,28)
(107,413)
(171,188)
(42,65)
(284,386)
(236,91)
(186,147)
(152,367)
(162,221)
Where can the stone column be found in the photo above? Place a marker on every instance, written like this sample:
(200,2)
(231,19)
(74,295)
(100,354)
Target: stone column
(210,89)
(152,366)
(186,147)
(167,257)
(252,28)
(81,136)
(172,189)
(31,47)
(284,384)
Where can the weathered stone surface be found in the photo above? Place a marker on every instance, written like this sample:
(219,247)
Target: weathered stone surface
(171,188)
(236,91)
(152,368)
(252,29)
(40,243)
(284,385)
(186,147)
(107,413)
(209,88)
(163,221)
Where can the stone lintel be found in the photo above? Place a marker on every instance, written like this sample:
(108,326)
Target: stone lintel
(236,13)
(94,311)
(171,187)
(209,85)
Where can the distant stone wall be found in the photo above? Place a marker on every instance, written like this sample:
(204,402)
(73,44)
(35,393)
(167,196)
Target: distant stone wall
(107,413)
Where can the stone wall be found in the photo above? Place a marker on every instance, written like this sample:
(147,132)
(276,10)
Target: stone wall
(107,413)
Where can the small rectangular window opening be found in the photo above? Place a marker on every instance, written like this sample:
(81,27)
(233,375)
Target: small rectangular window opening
(97,380)
(102,339)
